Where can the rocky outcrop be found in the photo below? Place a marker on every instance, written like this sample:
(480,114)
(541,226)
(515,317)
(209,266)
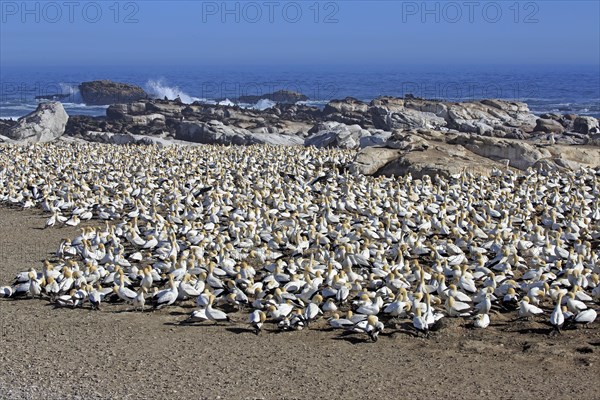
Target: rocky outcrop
(575,157)
(521,155)
(486,117)
(412,153)
(5,125)
(281,96)
(215,132)
(335,134)
(426,154)
(45,124)
(164,117)
(493,118)
(348,106)
(586,125)
(349,111)
(397,135)
(548,126)
(389,113)
(407,119)
(593,140)
(338,135)
(108,92)
(372,160)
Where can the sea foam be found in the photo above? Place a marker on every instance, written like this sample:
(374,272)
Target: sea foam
(158,89)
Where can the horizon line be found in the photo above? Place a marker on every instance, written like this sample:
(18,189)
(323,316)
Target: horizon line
(299,65)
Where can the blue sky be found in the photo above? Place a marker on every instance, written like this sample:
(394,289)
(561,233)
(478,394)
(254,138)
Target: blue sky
(299,33)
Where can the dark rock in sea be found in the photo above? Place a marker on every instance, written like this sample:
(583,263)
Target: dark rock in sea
(281,96)
(108,92)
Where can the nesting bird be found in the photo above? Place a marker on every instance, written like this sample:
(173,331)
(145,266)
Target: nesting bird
(292,234)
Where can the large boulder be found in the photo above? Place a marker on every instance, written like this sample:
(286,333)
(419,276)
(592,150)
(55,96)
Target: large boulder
(419,157)
(490,117)
(427,153)
(390,113)
(45,124)
(586,125)
(521,155)
(371,160)
(549,126)
(108,92)
(575,157)
(439,159)
(349,105)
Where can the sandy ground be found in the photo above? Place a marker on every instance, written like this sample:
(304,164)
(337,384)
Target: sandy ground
(81,354)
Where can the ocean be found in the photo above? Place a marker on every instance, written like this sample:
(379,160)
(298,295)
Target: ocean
(556,89)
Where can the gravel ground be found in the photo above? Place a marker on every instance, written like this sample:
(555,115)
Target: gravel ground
(48,353)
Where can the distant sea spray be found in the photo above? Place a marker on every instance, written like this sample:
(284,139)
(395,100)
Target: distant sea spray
(159,90)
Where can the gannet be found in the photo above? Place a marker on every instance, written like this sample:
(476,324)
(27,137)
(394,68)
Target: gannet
(256,320)
(420,324)
(481,320)
(214,314)
(557,317)
(528,310)
(165,297)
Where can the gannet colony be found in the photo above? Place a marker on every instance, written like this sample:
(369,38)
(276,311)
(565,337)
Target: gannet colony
(283,236)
